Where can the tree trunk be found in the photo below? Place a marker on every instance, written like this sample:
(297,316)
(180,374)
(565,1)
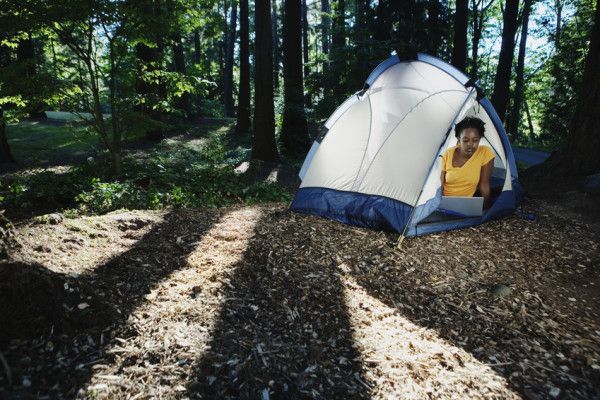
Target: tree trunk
(478,18)
(410,32)
(459,49)
(435,29)
(243,110)
(26,57)
(229,61)
(557,34)
(27,61)
(197,54)
(325,25)
(505,59)
(529,121)
(338,43)
(147,60)
(263,143)
(383,23)
(294,134)
(222,50)
(363,49)
(179,61)
(325,32)
(305,46)
(276,47)
(305,37)
(519,85)
(197,103)
(5,153)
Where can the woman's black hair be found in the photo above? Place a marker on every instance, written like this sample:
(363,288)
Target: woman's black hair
(469,122)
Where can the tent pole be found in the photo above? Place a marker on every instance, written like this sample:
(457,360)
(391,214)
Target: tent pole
(460,110)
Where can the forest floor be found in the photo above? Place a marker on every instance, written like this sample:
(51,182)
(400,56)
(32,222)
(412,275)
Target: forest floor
(258,302)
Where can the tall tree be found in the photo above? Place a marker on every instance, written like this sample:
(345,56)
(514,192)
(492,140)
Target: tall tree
(276,46)
(28,80)
(435,28)
(197,47)
(505,59)
(305,50)
(479,16)
(410,33)
(519,84)
(5,153)
(263,141)
(382,29)
(325,25)
(243,111)
(325,42)
(197,63)
(338,43)
(229,60)
(150,33)
(579,153)
(362,44)
(294,133)
(183,102)
(459,49)
(305,38)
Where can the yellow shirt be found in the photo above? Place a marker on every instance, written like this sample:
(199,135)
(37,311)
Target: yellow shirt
(463,181)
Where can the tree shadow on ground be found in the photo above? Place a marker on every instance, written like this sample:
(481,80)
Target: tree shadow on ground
(38,302)
(283,330)
(523,338)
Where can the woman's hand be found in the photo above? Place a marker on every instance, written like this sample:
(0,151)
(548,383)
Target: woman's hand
(484,183)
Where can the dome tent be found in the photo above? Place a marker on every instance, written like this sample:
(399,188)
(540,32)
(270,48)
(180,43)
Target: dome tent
(379,163)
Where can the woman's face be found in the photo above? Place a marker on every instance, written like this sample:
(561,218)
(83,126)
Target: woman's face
(468,141)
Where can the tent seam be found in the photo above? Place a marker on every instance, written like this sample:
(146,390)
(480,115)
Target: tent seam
(396,126)
(367,146)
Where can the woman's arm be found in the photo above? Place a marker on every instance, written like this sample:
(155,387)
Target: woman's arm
(484,182)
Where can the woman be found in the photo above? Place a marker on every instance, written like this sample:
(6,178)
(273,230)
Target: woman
(467,166)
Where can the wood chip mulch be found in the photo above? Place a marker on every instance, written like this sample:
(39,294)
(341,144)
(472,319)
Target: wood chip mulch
(260,303)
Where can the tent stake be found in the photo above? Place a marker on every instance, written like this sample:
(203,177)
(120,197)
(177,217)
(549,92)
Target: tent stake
(400,241)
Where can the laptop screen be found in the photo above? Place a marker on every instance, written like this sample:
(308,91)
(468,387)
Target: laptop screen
(462,206)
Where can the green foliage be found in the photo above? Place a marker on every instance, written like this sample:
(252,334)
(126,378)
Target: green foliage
(30,141)
(191,171)
(565,71)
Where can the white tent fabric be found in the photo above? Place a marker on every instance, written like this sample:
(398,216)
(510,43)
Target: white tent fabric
(384,142)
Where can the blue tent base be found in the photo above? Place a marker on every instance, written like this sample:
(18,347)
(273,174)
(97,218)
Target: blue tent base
(382,213)
(358,209)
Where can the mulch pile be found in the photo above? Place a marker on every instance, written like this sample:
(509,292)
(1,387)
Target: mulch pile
(256,302)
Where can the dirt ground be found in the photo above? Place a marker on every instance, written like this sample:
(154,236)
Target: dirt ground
(260,303)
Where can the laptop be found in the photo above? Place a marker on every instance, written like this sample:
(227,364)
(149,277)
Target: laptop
(462,206)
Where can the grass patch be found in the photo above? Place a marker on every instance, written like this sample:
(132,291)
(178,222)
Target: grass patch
(193,170)
(32,140)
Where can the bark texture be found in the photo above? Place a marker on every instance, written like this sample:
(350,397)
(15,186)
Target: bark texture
(263,143)
(294,134)
(243,111)
(459,49)
(502,82)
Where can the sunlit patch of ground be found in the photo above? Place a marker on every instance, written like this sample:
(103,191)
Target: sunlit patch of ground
(408,361)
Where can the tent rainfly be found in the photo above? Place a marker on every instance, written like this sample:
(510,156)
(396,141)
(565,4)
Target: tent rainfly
(379,163)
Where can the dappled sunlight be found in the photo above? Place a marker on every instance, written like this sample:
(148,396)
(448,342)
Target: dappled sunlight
(409,361)
(174,323)
(80,245)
